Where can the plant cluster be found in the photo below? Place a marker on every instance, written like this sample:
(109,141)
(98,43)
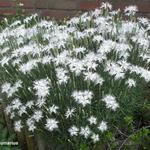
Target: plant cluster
(79,81)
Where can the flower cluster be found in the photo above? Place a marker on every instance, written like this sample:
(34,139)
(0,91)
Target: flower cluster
(76,78)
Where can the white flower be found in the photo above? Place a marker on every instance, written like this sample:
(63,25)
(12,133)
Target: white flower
(96,13)
(62,58)
(16,62)
(130,10)
(6,87)
(90,61)
(8,109)
(22,110)
(28,19)
(131,83)
(51,124)
(76,66)
(74,20)
(145,57)
(16,104)
(40,102)
(73,131)
(53,109)
(102,126)
(21,4)
(29,104)
(38,115)
(123,50)
(62,76)
(107,46)
(31,124)
(127,28)
(14,88)
(106,5)
(144,43)
(115,69)
(42,87)
(18,126)
(95,137)
(142,72)
(4,61)
(12,115)
(82,97)
(70,112)
(110,102)
(92,120)
(9,89)
(98,38)
(85,131)
(18,84)
(143,20)
(47,59)
(27,67)
(79,50)
(94,77)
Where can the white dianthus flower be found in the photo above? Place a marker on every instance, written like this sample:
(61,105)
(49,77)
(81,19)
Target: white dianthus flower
(27,67)
(42,87)
(51,124)
(73,131)
(6,87)
(110,102)
(12,115)
(79,50)
(29,104)
(16,104)
(102,126)
(4,61)
(37,116)
(92,120)
(21,4)
(131,83)
(70,112)
(22,110)
(76,66)
(8,109)
(53,109)
(143,20)
(62,58)
(85,131)
(46,59)
(62,76)
(41,102)
(82,97)
(106,5)
(90,61)
(95,137)
(131,10)
(94,77)
(115,69)
(18,126)
(9,89)
(98,38)
(18,84)
(31,124)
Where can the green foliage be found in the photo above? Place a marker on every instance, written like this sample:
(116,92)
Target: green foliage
(6,137)
(141,138)
(126,130)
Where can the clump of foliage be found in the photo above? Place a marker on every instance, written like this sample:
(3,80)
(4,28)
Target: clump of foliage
(80,83)
(5,136)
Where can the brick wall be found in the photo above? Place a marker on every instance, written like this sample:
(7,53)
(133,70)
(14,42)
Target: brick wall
(67,8)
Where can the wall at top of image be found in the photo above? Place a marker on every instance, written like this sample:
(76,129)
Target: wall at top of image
(67,8)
